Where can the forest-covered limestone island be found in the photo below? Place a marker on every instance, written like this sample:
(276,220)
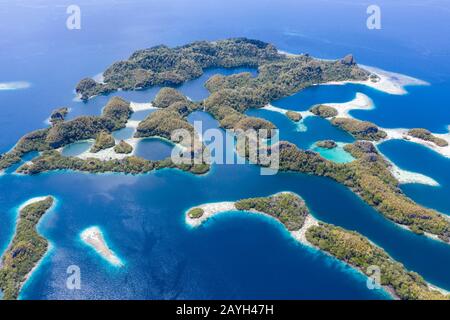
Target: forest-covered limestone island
(348,246)
(426,135)
(26,249)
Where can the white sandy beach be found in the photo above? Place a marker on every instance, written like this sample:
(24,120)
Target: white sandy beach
(110,154)
(50,245)
(31,201)
(300,235)
(405,177)
(211,209)
(360,102)
(93,237)
(388,82)
(301,127)
(138,106)
(402,134)
(270,107)
(363,102)
(132,123)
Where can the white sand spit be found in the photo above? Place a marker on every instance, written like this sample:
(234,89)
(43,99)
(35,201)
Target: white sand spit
(361,102)
(93,237)
(270,107)
(210,209)
(402,134)
(137,106)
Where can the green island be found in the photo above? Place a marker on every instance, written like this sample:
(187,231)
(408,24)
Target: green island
(58,115)
(104,140)
(53,160)
(123,148)
(294,116)
(324,111)
(361,130)
(278,76)
(426,135)
(114,117)
(174,108)
(347,246)
(196,213)
(164,66)
(326,144)
(370,178)
(358,252)
(26,249)
(286,207)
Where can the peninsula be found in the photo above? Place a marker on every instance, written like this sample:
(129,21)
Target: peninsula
(347,246)
(27,248)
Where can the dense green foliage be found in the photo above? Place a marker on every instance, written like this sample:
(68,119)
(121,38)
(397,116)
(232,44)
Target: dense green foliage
(360,253)
(53,160)
(117,110)
(168,96)
(294,116)
(195,213)
(162,123)
(123,147)
(426,135)
(369,177)
(81,128)
(104,140)
(26,249)
(286,207)
(327,144)
(114,117)
(276,80)
(58,115)
(161,65)
(362,130)
(324,111)
(33,141)
(231,119)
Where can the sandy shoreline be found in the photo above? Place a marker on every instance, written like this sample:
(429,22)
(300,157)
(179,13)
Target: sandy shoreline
(49,246)
(405,177)
(304,114)
(141,106)
(33,200)
(93,237)
(211,209)
(214,208)
(389,82)
(363,102)
(360,102)
(402,134)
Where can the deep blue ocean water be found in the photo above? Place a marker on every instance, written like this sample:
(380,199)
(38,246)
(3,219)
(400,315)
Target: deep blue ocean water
(233,255)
